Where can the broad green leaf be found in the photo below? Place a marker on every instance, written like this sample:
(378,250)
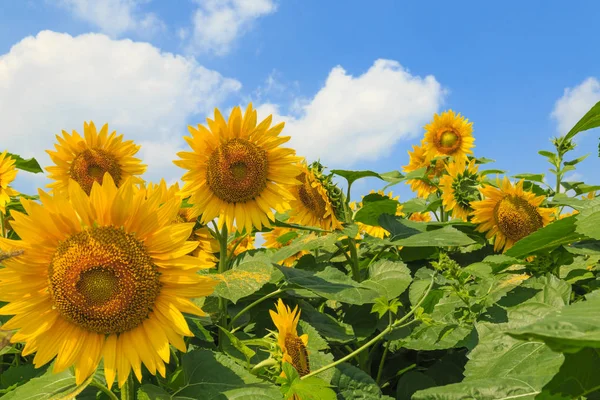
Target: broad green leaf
(238,344)
(353,383)
(152,392)
(310,242)
(590,248)
(374,205)
(447,236)
(49,386)
(411,382)
(209,375)
(393,177)
(414,205)
(388,278)
(590,120)
(588,225)
(30,165)
(311,388)
(437,337)
(352,176)
(569,329)
(244,280)
(577,160)
(531,177)
(481,389)
(327,326)
(492,171)
(547,238)
(400,228)
(17,375)
(315,341)
(579,187)
(578,376)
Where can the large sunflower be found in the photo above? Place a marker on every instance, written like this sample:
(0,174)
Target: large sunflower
(280,237)
(292,346)
(378,231)
(434,170)
(8,173)
(508,213)
(449,134)
(237,171)
(312,205)
(459,188)
(102,276)
(86,159)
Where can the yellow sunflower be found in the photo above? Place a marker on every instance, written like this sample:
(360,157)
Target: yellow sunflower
(280,237)
(417,161)
(240,244)
(449,134)
(311,205)
(86,159)
(420,217)
(509,213)
(102,276)
(8,173)
(237,171)
(378,231)
(292,346)
(459,188)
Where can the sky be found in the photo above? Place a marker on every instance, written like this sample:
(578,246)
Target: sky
(355,81)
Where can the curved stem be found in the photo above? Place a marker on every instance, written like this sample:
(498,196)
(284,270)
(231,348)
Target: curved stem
(256,302)
(380,370)
(376,339)
(104,390)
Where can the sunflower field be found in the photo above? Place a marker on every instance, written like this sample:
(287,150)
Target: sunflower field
(259,278)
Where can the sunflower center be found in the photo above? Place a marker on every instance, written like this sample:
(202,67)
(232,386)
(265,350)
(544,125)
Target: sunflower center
(297,351)
(237,171)
(448,142)
(310,197)
(516,218)
(90,166)
(103,280)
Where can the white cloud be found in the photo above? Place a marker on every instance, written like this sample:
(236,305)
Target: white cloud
(360,118)
(114,17)
(218,23)
(55,81)
(574,103)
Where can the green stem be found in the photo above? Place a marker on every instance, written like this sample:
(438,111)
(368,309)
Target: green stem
(127,391)
(2,223)
(376,339)
(104,390)
(223,236)
(354,257)
(253,304)
(386,347)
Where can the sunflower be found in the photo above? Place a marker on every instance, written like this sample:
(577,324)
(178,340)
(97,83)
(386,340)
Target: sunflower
(378,231)
(449,134)
(240,244)
(508,213)
(420,217)
(292,346)
(237,171)
(8,173)
(86,159)
(312,204)
(280,237)
(102,276)
(460,188)
(434,170)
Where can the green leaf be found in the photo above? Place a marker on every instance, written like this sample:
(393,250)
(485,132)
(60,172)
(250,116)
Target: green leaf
(547,238)
(17,375)
(437,337)
(411,382)
(237,343)
(588,224)
(447,236)
(480,389)
(578,376)
(353,383)
(388,278)
(151,392)
(531,177)
(327,326)
(492,171)
(400,228)
(326,242)
(315,341)
(374,205)
(30,165)
(244,280)
(49,386)
(577,160)
(414,205)
(306,389)
(483,160)
(568,330)
(590,120)
(208,375)
(352,176)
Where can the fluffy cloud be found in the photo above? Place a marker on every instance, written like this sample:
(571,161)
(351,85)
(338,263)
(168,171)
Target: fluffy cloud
(574,103)
(55,81)
(114,17)
(217,23)
(361,118)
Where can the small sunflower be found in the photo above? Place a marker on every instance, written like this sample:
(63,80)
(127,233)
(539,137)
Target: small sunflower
(280,237)
(292,346)
(378,231)
(449,134)
(508,213)
(420,217)
(237,171)
(313,204)
(434,170)
(86,159)
(459,188)
(102,276)
(8,173)
(240,244)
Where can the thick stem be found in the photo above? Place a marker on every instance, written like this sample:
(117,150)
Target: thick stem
(104,390)
(354,258)
(127,391)
(253,304)
(222,269)
(377,338)
(2,223)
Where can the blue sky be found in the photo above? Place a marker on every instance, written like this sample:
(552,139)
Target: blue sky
(521,71)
